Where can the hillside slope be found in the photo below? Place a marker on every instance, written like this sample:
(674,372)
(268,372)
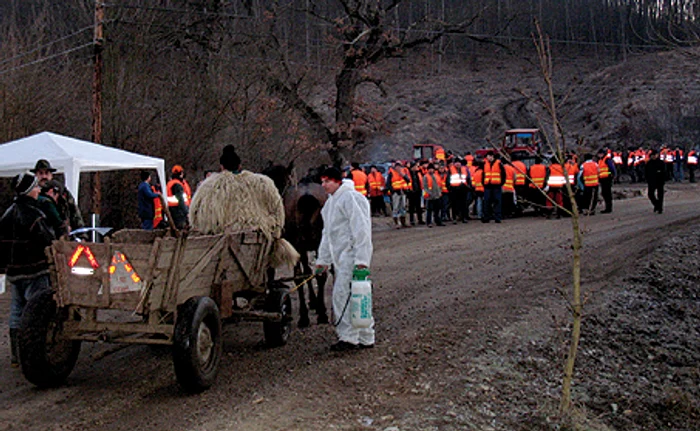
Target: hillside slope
(647,99)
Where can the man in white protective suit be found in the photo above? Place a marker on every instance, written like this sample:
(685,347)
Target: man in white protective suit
(347,245)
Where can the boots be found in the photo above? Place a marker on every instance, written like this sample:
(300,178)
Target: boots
(403,222)
(14,348)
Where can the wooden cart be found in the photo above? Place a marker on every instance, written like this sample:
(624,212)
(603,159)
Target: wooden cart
(141,287)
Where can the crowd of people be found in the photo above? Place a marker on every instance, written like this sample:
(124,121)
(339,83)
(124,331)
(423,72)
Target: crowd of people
(492,188)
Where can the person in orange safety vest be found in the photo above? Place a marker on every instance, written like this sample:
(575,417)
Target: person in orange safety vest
(606,175)
(494,177)
(377,184)
(588,181)
(359,177)
(179,196)
(692,162)
(398,182)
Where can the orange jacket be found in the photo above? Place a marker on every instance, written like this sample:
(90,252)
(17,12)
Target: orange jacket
(509,184)
(376,184)
(492,173)
(556,176)
(590,173)
(187,193)
(521,172)
(538,175)
(360,180)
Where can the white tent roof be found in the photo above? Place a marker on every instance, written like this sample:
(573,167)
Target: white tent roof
(71,156)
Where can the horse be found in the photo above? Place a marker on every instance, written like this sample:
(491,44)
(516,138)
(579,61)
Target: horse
(303,228)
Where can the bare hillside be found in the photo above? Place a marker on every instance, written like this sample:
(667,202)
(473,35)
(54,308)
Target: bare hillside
(646,99)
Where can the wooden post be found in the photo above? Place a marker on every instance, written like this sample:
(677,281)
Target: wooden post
(97,100)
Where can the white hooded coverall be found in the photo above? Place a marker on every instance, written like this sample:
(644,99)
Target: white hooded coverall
(346,242)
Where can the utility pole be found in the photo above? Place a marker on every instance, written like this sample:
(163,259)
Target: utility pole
(97,100)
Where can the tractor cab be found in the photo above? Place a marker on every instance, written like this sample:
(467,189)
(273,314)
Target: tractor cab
(428,152)
(523,144)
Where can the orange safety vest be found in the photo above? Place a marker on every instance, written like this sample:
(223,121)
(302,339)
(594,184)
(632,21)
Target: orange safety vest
(590,173)
(172,200)
(617,158)
(492,173)
(572,170)
(360,180)
(509,184)
(603,170)
(477,180)
(521,171)
(376,183)
(556,176)
(692,158)
(397,181)
(442,178)
(538,173)
(458,178)
(440,153)
(157,208)
(430,183)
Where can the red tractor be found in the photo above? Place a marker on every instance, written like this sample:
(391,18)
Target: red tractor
(519,144)
(428,152)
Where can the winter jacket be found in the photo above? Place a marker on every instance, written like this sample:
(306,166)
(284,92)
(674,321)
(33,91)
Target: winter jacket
(24,234)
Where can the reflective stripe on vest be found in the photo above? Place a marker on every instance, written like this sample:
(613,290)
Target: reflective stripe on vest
(360,180)
(692,158)
(590,174)
(572,170)
(478,180)
(457,179)
(537,175)
(397,181)
(157,208)
(521,171)
(443,182)
(492,173)
(509,184)
(603,170)
(556,176)
(172,200)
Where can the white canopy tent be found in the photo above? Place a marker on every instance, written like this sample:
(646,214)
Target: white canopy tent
(71,156)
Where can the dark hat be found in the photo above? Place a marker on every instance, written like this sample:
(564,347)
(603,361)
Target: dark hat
(43,164)
(333,173)
(229,159)
(24,183)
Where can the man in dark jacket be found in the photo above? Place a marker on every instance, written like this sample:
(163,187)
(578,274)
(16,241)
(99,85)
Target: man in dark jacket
(655,174)
(66,202)
(145,196)
(24,234)
(415,209)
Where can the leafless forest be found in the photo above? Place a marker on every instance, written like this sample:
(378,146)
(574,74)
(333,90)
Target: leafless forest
(297,80)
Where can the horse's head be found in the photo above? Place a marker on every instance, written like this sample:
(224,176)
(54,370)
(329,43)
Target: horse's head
(280,175)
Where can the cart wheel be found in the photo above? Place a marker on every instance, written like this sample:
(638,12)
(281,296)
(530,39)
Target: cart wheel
(278,301)
(197,344)
(46,355)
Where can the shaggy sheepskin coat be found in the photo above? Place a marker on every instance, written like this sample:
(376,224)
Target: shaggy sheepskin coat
(238,202)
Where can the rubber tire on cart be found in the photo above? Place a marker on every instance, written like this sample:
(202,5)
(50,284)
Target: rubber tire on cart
(278,300)
(46,356)
(197,345)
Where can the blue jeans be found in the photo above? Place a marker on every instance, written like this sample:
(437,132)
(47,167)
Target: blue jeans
(22,291)
(492,203)
(147,224)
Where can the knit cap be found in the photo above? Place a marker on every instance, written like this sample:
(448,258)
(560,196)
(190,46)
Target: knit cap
(24,183)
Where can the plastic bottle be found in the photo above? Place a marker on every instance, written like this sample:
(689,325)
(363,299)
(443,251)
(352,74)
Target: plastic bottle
(361,299)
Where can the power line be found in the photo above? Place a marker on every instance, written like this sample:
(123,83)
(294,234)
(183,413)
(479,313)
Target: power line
(40,47)
(41,60)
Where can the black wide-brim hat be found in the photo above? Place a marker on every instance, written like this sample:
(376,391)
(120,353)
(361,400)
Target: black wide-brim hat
(42,164)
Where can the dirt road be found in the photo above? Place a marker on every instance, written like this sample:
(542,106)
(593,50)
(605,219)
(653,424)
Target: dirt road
(470,323)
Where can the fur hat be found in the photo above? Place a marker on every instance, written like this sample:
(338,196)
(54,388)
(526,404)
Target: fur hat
(24,183)
(42,164)
(229,159)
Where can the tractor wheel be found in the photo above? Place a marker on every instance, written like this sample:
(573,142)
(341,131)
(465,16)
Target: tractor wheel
(197,345)
(46,355)
(278,301)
